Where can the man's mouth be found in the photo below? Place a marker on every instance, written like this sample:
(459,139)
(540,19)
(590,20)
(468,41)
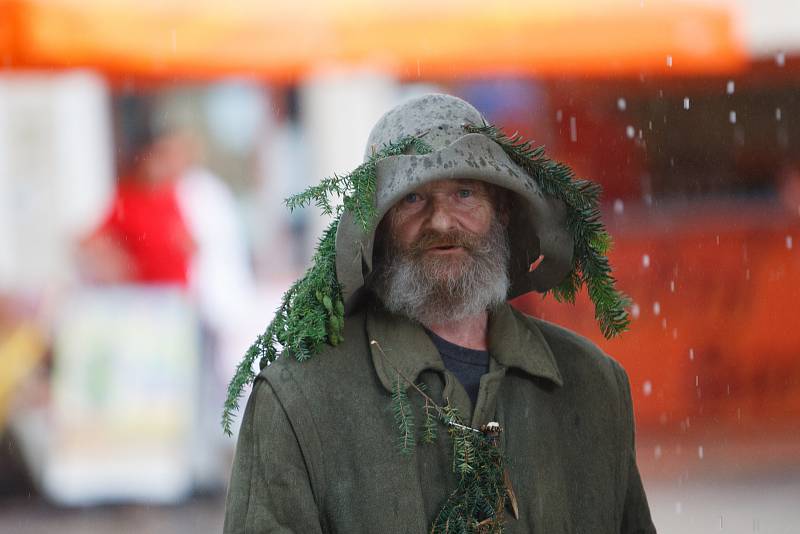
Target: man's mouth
(445,248)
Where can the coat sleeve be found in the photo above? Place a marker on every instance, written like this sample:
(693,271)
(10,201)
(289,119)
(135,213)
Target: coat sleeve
(270,488)
(636,512)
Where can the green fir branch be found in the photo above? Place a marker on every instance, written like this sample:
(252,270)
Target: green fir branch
(590,265)
(477,503)
(311,312)
(430,430)
(403,417)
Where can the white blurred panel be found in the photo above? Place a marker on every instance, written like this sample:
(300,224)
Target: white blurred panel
(124,395)
(56,172)
(338,110)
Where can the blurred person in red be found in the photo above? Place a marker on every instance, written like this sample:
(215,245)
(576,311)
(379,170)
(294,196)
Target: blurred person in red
(143,238)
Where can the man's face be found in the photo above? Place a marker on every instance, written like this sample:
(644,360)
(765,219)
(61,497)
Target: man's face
(442,220)
(445,253)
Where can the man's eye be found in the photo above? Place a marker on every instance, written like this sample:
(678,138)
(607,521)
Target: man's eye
(464,193)
(411,198)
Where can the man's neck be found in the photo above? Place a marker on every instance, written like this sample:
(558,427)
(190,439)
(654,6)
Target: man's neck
(470,332)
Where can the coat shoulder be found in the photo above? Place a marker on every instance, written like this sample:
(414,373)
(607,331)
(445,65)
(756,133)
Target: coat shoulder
(328,372)
(575,353)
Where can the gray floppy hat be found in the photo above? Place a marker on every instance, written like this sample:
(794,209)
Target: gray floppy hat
(538,222)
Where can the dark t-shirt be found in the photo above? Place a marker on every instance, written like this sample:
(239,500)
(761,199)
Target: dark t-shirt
(469,365)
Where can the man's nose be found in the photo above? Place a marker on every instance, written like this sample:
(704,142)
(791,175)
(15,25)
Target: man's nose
(441,216)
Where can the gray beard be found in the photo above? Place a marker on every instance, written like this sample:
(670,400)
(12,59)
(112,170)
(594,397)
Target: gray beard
(435,289)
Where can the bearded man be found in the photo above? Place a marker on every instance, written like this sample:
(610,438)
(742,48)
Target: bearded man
(463,220)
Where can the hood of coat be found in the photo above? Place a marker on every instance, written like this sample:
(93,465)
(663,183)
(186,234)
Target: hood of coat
(537,224)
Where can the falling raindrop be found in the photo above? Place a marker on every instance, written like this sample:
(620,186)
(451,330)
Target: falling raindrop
(691,355)
(674,333)
(747,274)
(657,452)
(573,130)
(647,388)
(646,260)
(731,87)
(630,131)
(621,104)
(700,452)
(650,125)
(635,311)
(656,308)
(717,239)
(664,323)
(696,380)
(672,286)
(619,206)
(777,114)
(559,115)
(789,242)
(780,59)
(669,61)
(732,117)
(686,102)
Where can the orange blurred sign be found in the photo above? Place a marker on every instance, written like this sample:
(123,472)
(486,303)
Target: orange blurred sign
(411,38)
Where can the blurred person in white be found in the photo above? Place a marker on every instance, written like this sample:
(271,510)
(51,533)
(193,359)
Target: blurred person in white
(220,280)
(217,276)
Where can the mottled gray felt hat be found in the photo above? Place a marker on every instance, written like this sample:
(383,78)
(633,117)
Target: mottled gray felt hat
(537,224)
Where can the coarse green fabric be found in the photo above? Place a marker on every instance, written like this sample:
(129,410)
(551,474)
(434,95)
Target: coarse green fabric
(317,449)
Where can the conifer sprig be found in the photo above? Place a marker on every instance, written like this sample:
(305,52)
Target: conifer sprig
(590,265)
(311,312)
(478,502)
(403,417)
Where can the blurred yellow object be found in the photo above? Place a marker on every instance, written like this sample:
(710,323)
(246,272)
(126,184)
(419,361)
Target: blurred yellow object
(282,41)
(20,353)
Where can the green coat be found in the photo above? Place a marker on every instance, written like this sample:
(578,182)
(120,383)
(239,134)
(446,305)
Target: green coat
(318,446)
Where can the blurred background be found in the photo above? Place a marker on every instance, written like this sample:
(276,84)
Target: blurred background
(146,149)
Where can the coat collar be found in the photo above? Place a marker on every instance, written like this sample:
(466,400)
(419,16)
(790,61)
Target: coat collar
(514,342)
